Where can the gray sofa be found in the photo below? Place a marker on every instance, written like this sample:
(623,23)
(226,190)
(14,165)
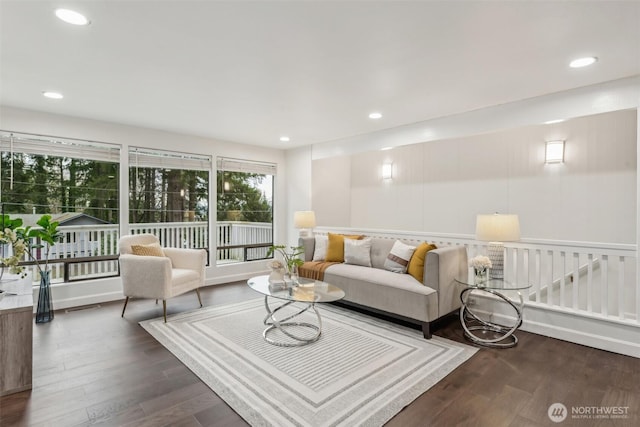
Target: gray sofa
(400,295)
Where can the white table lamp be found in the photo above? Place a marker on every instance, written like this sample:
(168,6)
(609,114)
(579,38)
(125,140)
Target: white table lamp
(305,221)
(495,229)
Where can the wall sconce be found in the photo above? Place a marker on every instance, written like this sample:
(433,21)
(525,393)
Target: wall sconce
(554,152)
(387,170)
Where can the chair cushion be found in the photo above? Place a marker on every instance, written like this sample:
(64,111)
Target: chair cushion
(152,249)
(183,280)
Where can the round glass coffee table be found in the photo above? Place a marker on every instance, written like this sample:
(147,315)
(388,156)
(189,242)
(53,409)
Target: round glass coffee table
(307,293)
(476,326)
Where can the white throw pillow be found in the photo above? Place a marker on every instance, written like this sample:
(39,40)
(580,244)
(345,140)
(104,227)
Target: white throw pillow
(398,259)
(320,250)
(357,252)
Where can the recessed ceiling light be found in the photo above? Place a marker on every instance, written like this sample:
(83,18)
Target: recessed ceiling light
(72,17)
(550,122)
(285,139)
(386,148)
(52,95)
(583,62)
(375,115)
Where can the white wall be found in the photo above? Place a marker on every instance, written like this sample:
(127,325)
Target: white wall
(19,120)
(298,187)
(441,186)
(331,191)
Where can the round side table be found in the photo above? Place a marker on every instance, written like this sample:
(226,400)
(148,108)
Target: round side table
(485,332)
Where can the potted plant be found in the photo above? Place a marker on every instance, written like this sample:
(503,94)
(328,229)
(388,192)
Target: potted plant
(32,238)
(290,258)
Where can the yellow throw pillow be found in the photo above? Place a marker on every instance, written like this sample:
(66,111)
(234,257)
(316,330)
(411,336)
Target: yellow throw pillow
(416,263)
(152,249)
(335,247)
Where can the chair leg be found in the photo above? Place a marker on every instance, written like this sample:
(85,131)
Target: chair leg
(164,309)
(199,299)
(125,306)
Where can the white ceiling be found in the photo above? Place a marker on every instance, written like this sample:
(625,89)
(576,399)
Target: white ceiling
(250,72)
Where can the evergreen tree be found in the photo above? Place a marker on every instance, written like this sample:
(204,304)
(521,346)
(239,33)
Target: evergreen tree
(238,191)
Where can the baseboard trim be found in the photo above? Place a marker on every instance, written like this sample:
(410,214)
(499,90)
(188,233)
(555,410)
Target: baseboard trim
(602,334)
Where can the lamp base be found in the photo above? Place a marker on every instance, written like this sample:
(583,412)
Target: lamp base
(305,232)
(496,256)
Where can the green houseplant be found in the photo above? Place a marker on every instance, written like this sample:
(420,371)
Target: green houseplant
(291,259)
(32,238)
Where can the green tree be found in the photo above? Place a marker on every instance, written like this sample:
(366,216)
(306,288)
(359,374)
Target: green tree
(102,191)
(164,195)
(239,192)
(15,186)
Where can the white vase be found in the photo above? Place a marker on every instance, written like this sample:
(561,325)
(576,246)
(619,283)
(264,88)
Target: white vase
(277,275)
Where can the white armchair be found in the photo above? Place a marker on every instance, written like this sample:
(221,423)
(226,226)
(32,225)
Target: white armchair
(159,277)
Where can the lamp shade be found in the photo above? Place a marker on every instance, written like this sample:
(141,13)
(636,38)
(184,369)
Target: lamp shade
(497,228)
(304,219)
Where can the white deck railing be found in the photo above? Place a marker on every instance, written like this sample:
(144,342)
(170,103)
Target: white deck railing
(592,279)
(238,233)
(82,241)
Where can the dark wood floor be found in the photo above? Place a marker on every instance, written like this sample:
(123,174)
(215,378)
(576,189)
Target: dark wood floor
(91,366)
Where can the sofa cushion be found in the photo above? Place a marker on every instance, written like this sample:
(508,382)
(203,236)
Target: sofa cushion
(335,248)
(416,263)
(357,252)
(385,290)
(380,248)
(399,256)
(320,248)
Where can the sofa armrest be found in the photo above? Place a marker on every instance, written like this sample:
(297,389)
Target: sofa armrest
(442,267)
(309,244)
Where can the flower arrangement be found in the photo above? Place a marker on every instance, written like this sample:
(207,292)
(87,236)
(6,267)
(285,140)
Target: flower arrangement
(25,240)
(8,236)
(22,241)
(274,264)
(480,262)
(480,265)
(291,257)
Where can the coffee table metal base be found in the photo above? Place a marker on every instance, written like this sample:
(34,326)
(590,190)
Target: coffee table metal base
(285,326)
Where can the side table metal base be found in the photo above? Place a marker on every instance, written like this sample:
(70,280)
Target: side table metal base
(474,326)
(284,325)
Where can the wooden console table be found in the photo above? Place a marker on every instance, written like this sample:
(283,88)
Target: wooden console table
(16,343)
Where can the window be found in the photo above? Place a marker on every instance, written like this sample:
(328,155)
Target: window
(76,182)
(169,196)
(244,227)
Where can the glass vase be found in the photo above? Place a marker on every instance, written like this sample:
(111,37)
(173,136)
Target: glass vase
(293,272)
(291,276)
(44,313)
(480,276)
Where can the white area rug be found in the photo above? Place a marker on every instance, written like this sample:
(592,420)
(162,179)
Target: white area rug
(362,370)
